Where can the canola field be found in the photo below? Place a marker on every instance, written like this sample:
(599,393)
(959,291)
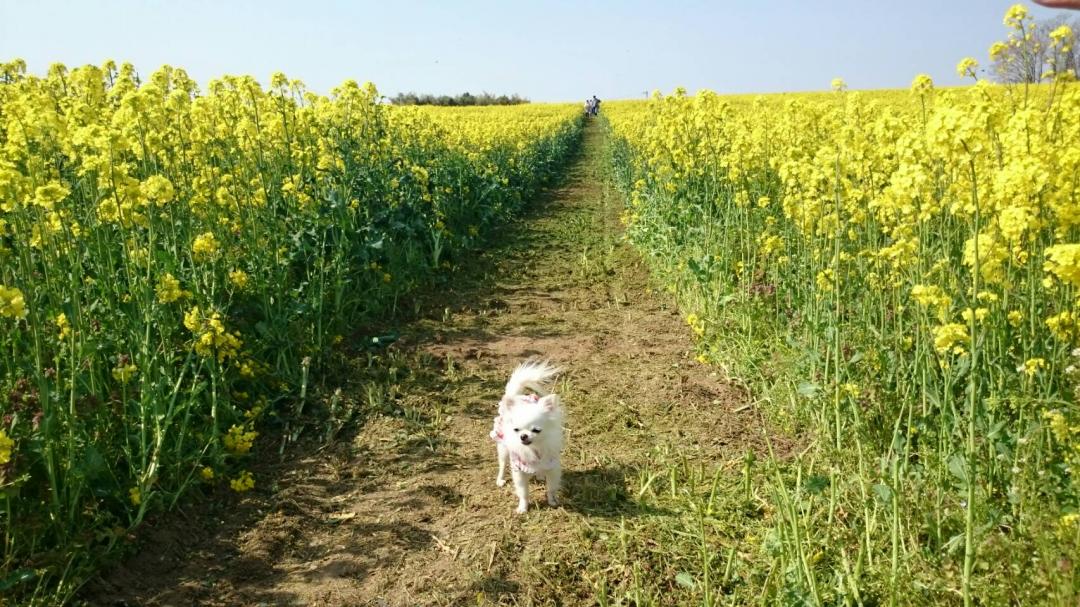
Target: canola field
(892,276)
(175,265)
(902,271)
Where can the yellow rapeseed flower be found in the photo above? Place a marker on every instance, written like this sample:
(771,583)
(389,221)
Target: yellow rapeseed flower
(63,326)
(1015,14)
(951,337)
(967,67)
(1059,426)
(1032,366)
(696,323)
(125,373)
(997,50)
(157,189)
(979,314)
(1063,261)
(48,195)
(6,445)
(825,280)
(922,84)
(12,303)
(239,279)
(1062,325)
(238,440)
(242,483)
(168,289)
(205,247)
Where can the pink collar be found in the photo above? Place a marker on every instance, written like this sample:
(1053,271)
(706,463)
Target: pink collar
(520,463)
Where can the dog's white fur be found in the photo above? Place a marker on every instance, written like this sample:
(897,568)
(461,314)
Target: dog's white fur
(530,431)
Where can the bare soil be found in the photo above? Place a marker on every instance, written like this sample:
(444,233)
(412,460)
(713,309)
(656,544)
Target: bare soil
(403,508)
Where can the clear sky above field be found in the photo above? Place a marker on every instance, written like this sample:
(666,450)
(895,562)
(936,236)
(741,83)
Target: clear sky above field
(543,50)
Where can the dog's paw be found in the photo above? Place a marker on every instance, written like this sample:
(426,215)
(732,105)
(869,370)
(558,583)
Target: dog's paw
(500,482)
(521,509)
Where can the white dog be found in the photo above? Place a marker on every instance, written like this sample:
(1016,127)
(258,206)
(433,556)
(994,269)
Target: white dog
(528,431)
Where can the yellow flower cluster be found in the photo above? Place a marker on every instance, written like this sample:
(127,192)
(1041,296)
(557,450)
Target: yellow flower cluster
(932,297)
(1062,326)
(1063,261)
(6,445)
(63,326)
(12,303)
(242,483)
(696,324)
(1032,366)
(211,338)
(168,289)
(157,189)
(967,67)
(1067,436)
(239,279)
(205,247)
(125,373)
(951,337)
(238,439)
(825,280)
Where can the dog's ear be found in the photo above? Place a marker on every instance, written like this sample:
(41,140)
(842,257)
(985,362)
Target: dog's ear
(550,402)
(505,404)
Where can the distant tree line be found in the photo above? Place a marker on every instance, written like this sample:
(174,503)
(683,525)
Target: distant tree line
(1046,46)
(462,99)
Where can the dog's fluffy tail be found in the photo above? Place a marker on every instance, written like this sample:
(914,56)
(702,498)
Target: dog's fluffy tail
(535,375)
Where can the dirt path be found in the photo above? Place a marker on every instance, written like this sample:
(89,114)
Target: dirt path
(406,512)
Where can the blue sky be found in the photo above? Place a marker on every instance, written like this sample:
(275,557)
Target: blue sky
(547,51)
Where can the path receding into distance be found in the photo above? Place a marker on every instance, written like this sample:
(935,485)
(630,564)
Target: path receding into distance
(403,510)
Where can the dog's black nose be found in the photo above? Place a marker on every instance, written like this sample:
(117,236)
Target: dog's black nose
(526,439)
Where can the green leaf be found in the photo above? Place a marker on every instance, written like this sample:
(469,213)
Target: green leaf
(93,464)
(685,580)
(959,469)
(884,493)
(808,389)
(816,484)
(16,577)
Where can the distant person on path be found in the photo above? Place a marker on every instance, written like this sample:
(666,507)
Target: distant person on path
(595,105)
(588,107)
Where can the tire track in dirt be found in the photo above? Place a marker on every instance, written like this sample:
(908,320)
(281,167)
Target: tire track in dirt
(406,511)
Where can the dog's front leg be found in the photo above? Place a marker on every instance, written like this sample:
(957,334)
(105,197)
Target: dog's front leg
(554,478)
(504,459)
(521,488)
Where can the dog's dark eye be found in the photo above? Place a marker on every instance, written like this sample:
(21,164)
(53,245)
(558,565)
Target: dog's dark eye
(517,429)
(536,430)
